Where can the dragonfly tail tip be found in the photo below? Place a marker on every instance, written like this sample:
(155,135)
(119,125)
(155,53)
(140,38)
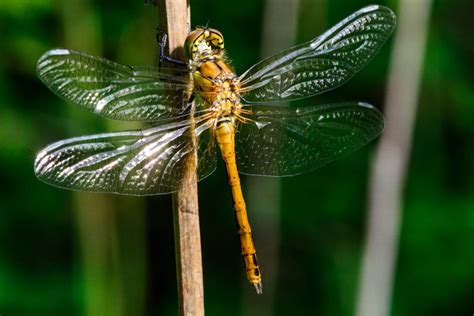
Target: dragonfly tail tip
(258,287)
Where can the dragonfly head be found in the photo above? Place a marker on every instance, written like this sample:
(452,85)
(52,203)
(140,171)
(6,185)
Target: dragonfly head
(203,42)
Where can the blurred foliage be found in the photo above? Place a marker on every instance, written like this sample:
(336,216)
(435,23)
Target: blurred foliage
(323,213)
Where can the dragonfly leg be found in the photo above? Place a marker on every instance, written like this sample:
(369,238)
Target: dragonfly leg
(161,38)
(187,103)
(191,99)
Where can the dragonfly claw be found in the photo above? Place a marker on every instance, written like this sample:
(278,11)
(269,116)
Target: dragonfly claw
(162,38)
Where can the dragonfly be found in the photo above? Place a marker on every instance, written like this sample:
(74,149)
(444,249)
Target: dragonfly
(205,107)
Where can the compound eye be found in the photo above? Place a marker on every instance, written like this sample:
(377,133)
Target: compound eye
(216,38)
(192,41)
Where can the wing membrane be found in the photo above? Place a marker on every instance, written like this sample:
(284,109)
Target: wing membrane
(283,141)
(322,64)
(142,162)
(110,89)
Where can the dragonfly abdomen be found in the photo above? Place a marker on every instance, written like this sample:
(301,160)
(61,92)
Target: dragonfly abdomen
(225,133)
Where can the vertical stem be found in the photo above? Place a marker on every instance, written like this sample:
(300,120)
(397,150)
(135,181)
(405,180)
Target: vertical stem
(387,177)
(175,21)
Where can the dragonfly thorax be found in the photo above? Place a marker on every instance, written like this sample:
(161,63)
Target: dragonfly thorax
(219,87)
(226,104)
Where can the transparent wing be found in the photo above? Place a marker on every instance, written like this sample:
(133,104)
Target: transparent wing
(113,90)
(142,162)
(283,141)
(325,63)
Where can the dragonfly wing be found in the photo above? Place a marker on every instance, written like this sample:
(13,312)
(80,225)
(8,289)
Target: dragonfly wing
(322,64)
(206,150)
(284,141)
(141,162)
(110,89)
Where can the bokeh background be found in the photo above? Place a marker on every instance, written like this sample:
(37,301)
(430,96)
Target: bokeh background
(68,253)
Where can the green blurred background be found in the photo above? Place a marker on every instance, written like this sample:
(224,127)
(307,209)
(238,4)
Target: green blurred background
(65,253)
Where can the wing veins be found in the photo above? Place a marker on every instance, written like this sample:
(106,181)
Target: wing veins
(354,40)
